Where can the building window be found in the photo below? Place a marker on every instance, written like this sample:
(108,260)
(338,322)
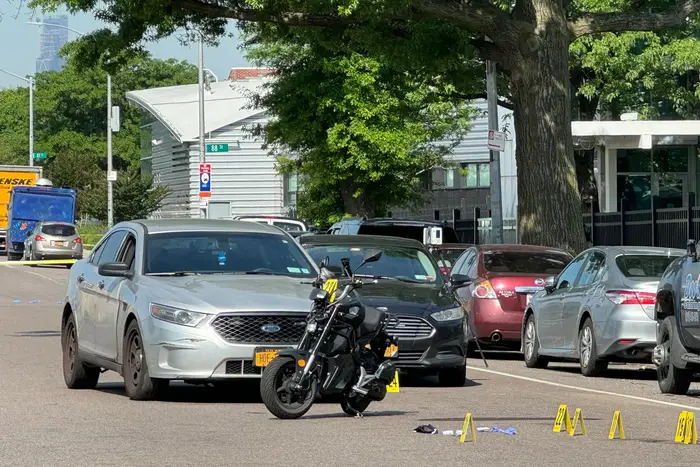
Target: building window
(449,178)
(291,188)
(477,175)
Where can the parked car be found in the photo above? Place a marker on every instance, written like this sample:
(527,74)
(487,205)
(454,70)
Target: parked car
(406,283)
(285,223)
(392,227)
(677,314)
(197,300)
(495,284)
(599,309)
(446,254)
(53,240)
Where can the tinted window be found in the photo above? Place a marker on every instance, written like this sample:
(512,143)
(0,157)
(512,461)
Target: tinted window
(448,256)
(129,252)
(526,262)
(643,265)
(32,206)
(226,252)
(111,248)
(571,272)
(58,230)
(288,226)
(396,262)
(591,272)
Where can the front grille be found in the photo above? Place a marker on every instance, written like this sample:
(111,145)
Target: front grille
(409,327)
(409,356)
(242,367)
(248,329)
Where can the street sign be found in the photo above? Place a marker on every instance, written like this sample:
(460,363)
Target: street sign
(497,140)
(217,147)
(40,155)
(112,176)
(204,180)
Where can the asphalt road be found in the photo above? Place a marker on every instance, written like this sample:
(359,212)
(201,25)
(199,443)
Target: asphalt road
(44,424)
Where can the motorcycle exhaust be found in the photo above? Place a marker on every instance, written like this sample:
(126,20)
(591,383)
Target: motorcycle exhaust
(496,337)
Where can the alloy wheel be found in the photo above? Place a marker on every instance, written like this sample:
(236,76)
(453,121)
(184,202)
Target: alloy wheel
(529,339)
(69,354)
(586,345)
(135,358)
(663,367)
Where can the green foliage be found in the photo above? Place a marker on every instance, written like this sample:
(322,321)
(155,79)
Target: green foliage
(357,130)
(70,109)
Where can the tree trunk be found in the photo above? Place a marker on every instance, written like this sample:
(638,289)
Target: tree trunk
(358,206)
(549,205)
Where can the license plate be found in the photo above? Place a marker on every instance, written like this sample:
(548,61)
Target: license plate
(391,351)
(59,243)
(263,357)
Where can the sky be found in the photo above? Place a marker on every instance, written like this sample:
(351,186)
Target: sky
(23,40)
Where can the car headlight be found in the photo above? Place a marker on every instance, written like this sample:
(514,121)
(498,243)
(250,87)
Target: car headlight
(176,316)
(450,314)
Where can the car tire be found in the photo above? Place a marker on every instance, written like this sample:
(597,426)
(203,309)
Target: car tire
(531,346)
(76,374)
(671,379)
(138,384)
(453,377)
(588,353)
(14,257)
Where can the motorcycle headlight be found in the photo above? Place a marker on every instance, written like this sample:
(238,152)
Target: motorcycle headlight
(176,316)
(450,314)
(312,326)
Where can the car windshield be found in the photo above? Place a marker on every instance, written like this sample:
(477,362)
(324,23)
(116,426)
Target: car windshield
(58,230)
(644,265)
(225,253)
(402,263)
(526,262)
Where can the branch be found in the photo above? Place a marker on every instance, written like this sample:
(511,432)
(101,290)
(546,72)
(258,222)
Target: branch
(634,20)
(508,104)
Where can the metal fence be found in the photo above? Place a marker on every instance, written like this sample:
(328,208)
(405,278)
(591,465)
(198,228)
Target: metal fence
(661,227)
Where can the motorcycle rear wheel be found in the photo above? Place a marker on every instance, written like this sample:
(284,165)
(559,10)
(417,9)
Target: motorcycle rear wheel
(281,405)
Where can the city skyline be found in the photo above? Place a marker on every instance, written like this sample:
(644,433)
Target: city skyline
(52,39)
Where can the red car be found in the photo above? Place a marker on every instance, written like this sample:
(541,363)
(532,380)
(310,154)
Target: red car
(495,283)
(445,254)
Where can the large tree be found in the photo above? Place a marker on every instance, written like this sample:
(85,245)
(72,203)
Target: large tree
(528,38)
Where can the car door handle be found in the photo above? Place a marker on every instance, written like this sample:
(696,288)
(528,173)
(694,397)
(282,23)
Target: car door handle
(101,285)
(80,279)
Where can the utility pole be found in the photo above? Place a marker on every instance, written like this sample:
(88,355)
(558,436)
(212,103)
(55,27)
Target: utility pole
(496,210)
(110,210)
(31,121)
(202,146)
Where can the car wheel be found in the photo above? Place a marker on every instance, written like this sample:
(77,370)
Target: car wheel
(76,374)
(137,382)
(588,355)
(454,377)
(531,346)
(671,379)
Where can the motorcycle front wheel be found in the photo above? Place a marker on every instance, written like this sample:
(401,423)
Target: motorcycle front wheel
(282,404)
(352,405)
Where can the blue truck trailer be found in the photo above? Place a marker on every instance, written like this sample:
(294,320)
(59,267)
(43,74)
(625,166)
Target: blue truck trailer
(29,205)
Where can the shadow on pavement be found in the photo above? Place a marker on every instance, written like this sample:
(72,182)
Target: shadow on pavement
(497,419)
(613,373)
(369,413)
(496,355)
(417,381)
(35,334)
(240,393)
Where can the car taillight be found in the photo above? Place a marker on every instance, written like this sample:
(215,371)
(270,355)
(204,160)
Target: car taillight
(484,290)
(631,297)
(38,238)
(77,240)
(444,271)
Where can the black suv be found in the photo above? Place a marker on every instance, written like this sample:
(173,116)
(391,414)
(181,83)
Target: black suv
(677,313)
(407,283)
(391,227)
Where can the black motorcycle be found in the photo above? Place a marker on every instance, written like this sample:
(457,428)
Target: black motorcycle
(345,350)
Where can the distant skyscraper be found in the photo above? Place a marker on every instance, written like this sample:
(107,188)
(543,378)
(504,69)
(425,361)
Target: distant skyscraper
(52,39)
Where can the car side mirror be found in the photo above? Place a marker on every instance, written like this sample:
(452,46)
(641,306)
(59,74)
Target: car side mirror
(459,280)
(692,250)
(324,262)
(114,270)
(549,284)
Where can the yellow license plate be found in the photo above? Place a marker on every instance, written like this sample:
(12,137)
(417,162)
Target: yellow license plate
(263,357)
(391,351)
(59,243)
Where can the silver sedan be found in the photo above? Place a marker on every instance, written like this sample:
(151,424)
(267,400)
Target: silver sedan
(192,300)
(599,309)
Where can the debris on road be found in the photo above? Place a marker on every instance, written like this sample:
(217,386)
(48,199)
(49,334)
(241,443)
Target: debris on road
(427,429)
(483,429)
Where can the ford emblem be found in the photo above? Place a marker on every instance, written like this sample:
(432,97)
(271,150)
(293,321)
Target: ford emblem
(270,328)
(539,281)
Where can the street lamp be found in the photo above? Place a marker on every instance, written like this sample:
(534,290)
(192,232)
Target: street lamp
(29,80)
(110,200)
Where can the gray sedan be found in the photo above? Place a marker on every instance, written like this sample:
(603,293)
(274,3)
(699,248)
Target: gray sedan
(193,300)
(600,308)
(53,240)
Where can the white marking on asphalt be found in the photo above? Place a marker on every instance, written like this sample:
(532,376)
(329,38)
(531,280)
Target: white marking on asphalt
(577,388)
(37,274)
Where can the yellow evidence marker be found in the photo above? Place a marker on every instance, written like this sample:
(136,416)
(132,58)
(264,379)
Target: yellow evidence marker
(330,286)
(562,417)
(468,425)
(578,416)
(394,385)
(686,430)
(616,425)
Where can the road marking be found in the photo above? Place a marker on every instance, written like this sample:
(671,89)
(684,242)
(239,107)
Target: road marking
(577,388)
(37,274)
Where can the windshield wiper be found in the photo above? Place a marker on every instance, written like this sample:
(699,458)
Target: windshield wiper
(174,273)
(397,278)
